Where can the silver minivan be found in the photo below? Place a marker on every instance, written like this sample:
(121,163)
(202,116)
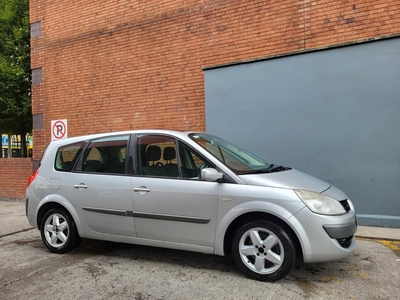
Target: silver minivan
(188,191)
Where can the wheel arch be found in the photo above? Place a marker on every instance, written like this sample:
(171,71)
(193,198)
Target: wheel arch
(251,216)
(52,204)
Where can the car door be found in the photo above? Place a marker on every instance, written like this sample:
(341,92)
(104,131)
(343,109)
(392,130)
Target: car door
(101,187)
(170,201)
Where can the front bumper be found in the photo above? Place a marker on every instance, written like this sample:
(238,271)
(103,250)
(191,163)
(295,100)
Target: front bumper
(325,238)
(340,231)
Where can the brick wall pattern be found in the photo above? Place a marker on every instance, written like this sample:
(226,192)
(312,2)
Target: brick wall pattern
(14,176)
(119,65)
(116,65)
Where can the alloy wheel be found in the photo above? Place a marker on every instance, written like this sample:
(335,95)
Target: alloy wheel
(56,230)
(261,250)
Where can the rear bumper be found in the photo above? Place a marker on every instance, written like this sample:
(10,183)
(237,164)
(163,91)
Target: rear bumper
(26,206)
(31,203)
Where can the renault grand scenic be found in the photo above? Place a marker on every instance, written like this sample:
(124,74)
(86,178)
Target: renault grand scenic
(189,191)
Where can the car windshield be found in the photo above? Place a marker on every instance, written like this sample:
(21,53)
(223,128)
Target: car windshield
(237,159)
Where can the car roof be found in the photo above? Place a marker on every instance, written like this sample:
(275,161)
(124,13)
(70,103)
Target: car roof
(181,134)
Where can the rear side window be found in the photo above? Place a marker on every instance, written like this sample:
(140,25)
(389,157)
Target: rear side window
(106,155)
(67,156)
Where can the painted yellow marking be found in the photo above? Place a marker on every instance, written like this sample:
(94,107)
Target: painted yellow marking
(393,245)
(330,278)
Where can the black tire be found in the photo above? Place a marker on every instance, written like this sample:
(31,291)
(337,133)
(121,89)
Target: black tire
(58,231)
(263,251)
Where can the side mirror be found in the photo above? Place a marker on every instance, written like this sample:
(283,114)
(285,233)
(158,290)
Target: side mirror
(210,174)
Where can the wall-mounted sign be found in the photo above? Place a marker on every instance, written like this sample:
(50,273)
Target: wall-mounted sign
(59,129)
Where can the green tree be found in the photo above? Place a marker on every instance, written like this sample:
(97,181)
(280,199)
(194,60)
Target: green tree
(15,78)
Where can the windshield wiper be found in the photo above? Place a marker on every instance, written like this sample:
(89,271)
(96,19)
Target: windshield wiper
(271,169)
(277,168)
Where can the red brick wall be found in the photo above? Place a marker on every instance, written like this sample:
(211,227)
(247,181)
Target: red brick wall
(14,174)
(117,65)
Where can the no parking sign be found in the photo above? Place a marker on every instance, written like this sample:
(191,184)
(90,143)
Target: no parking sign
(59,129)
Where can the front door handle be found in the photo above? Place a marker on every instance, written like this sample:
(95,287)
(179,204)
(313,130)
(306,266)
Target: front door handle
(141,190)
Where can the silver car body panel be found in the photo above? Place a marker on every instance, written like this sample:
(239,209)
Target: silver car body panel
(177,200)
(184,214)
(335,193)
(236,200)
(103,192)
(289,179)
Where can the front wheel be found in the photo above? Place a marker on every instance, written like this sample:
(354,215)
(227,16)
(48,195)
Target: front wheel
(58,231)
(263,251)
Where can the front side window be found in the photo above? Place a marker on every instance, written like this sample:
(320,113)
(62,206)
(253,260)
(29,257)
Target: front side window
(237,159)
(163,156)
(67,156)
(106,155)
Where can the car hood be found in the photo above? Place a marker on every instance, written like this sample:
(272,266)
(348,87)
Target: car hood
(289,179)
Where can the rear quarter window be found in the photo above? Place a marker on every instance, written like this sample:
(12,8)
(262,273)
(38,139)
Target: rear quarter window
(67,156)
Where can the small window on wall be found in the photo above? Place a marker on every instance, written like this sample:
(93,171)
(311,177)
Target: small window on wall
(37,121)
(106,155)
(36,29)
(67,156)
(37,76)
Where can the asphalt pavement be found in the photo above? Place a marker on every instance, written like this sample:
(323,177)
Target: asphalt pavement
(103,270)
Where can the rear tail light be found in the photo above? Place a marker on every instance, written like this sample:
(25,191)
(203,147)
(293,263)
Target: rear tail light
(32,177)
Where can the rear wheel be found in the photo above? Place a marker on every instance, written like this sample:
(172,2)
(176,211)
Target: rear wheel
(58,231)
(263,251)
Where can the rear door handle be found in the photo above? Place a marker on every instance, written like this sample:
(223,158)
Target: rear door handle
(80,186)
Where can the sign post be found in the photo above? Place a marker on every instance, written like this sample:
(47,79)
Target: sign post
(59,129)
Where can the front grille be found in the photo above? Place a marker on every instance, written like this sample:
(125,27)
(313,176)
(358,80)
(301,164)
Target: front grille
(345,242)
(345,204)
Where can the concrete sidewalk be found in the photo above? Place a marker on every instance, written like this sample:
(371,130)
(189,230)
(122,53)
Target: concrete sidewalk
(379,233)
(12,220)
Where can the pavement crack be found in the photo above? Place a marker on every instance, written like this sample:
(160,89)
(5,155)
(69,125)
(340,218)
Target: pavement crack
(12,233)
(18,279)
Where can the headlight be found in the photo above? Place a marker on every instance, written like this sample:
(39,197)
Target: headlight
(320,204)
